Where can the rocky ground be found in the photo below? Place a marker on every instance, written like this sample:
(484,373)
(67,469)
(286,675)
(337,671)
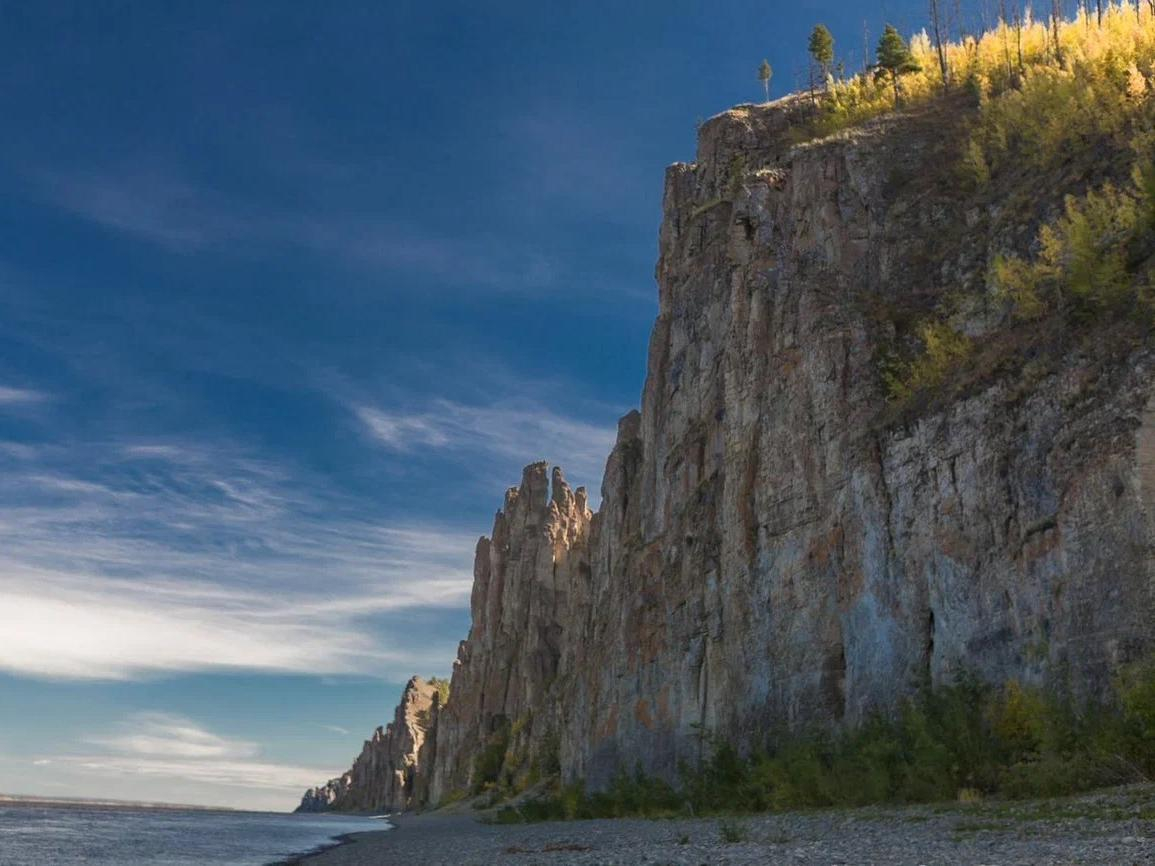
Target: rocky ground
(1115,828)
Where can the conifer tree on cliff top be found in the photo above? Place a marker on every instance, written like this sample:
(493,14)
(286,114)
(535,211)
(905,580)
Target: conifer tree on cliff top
(764,74)
(822,49)
(894,58)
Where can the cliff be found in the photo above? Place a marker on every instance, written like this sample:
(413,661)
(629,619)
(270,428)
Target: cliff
(383,777)
(778,546)
(527,595)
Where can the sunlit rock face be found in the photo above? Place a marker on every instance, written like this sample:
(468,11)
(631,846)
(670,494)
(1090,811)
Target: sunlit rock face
(321,798)
(528,595)
(383,778)
(776,548)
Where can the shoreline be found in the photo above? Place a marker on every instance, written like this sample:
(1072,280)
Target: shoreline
(335,842)
(1105,827)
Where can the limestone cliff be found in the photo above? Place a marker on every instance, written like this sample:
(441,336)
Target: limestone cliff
(776,547)
(383,777)
(323,797)
(527,592)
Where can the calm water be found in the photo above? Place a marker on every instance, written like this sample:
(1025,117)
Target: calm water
(58,834)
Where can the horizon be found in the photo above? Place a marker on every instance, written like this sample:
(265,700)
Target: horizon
(291,297)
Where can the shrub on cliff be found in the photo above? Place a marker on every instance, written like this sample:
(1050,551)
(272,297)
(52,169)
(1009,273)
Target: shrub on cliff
(1090,260)
(942,350)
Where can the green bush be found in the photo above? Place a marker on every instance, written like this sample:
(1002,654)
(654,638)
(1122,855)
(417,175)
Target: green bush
(1084,269)
(943,350)
(962,741)
(490,761)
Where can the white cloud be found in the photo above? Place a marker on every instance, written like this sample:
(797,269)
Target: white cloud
(171,747)
(287,779)
(154,734)
(20,396)
(520,433)
(174,558)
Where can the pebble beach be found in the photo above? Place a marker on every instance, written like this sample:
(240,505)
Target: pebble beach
(1115,828)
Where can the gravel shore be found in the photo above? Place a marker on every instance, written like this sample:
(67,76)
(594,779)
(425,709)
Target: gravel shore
(1115,828)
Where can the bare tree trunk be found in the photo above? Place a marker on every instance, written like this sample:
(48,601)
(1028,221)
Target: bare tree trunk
(866,47)
(1099,11)
(938,42)
(1056,17)
(1019,35)
(1005,25)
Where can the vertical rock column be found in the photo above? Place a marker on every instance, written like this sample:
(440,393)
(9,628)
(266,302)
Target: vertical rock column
(528,579)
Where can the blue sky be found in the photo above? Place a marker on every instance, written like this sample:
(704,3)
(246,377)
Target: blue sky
(289,292)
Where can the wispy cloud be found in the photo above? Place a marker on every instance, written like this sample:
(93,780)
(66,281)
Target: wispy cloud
(169,557)
(153,734)
(20,396)
(515,431)
(166,746)
(162,207)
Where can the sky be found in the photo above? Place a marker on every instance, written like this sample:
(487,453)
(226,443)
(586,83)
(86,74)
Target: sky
(289,293)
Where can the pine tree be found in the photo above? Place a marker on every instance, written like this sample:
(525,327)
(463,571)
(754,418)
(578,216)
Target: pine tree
(822,49)
(894,58)
(764,75)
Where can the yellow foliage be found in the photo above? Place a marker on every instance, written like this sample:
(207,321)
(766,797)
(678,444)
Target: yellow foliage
(1082,267)
(1019,718)
(974,165)
(1034,100)
(943,350)
(1017,283)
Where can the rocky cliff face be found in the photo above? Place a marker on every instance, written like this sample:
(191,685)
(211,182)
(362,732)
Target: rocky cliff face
(770,551)
(773,547)
(527,595)
(383,778)
(323,797)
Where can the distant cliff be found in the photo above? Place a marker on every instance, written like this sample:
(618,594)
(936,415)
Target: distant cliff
(779,545)
(383,778)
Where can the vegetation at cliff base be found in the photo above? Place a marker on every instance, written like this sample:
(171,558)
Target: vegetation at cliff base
(966,741)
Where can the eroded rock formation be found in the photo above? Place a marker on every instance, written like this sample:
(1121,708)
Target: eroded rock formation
(772,548)
(383,778)
(324,797)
